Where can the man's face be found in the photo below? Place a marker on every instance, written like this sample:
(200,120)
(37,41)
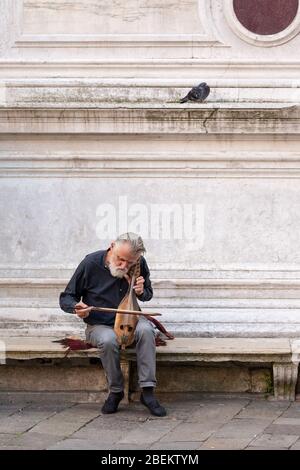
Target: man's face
(122,259)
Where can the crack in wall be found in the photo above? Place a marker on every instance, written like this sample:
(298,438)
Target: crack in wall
(209,117)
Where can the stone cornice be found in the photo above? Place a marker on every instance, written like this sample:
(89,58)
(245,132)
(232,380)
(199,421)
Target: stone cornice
(196,164)
(167,283)
(214,118)
(158,69)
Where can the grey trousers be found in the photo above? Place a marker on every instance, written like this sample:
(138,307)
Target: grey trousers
(104,338)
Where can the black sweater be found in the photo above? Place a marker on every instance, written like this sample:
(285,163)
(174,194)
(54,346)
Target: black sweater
(93,283)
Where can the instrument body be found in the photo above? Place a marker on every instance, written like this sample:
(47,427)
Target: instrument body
(125,324)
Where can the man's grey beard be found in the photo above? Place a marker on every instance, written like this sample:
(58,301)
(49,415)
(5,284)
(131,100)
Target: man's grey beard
(116,272)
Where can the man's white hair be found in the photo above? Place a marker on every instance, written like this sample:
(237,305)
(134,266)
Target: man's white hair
(135,241)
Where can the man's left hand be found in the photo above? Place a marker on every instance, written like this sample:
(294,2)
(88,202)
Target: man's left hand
(139,284)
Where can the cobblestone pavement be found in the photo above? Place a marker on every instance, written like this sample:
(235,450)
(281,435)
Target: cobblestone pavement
(192,423)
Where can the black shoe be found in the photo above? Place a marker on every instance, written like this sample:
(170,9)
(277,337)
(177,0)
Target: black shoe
(112,402)
(153,406)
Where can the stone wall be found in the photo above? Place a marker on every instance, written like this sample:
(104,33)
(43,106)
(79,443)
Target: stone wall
(92,132)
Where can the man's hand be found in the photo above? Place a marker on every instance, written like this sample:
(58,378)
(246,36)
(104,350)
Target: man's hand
(82,310)
(139,285)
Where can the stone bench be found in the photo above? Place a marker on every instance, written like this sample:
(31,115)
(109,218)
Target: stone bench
(281,353)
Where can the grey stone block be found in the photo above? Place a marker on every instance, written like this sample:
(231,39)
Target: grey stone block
(216,412)
(263,448)
(5,439)
(149,432)
(102,436)
(68,421)
(271,441)
(79,444)
(263,409)
(242,428)
(33,441)
(17,424)
(296,445)
(288,421)
(143,446)
(190,432)
(179,445)
(283,429)
(219,443)
(293,411)
(110,422)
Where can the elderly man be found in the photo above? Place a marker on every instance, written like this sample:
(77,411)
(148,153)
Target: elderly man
(101,280)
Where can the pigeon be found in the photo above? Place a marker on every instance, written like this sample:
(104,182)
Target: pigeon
(197,93)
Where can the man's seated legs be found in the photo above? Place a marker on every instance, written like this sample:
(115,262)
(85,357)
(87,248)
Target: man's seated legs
(103,337)
(146,364)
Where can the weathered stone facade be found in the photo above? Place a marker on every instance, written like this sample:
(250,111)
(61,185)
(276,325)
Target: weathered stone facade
(90,125)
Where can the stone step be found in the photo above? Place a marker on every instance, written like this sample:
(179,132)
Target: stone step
(210,321)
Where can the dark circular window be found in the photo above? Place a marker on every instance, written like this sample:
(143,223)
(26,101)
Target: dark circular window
(265,16)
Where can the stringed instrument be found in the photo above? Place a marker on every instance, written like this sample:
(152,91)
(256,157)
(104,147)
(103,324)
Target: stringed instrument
(125,324)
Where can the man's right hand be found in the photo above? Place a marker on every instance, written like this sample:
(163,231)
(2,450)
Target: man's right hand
(82,310)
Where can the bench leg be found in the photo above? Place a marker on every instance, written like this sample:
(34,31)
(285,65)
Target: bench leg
(125,368)
(285,380)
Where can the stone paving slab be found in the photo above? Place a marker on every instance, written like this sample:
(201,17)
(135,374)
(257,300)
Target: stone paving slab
(5,413)
(130,447)
(220,443)
(218,412)
(32,441)
(104,436)
(51,407)
(108,423)
(289,421)
(296,446)
(263,409)
(283,429)
(176,445)
(80,444)
(149,432)
(271,441)
(263,448)
(67,421)
(17,424)
(132,412)
(5,439)
(191,432)
(293,411)
(9,409)
(56,427)
(204,423)
(242,428)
